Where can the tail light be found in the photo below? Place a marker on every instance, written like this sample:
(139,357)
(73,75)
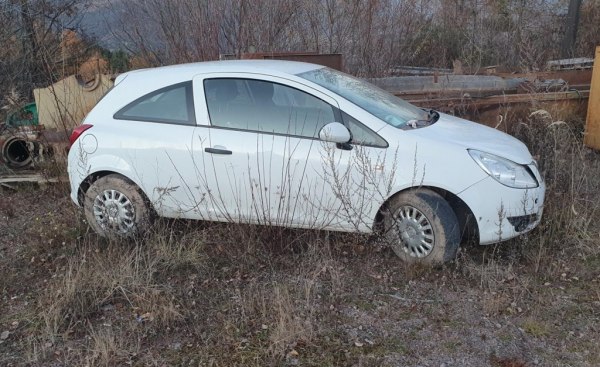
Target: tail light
(77,132)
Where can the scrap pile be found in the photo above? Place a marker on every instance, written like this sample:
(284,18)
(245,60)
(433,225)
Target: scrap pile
(41,129)
(491,95)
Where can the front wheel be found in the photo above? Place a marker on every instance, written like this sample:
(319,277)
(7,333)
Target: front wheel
(115,208)
(421,227)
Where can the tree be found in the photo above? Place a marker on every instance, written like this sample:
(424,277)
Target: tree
(568,43)
(31,35)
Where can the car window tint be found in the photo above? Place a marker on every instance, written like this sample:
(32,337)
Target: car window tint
(265,107)
(361,134)
(173,104)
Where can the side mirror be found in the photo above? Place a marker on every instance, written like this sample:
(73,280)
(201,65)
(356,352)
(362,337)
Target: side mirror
(335,132)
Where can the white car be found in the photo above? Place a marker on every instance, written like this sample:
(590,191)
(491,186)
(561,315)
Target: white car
(299,145)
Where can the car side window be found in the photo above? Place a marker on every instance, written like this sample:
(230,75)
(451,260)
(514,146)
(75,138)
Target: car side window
(173,104)
(361,134)
(263,106)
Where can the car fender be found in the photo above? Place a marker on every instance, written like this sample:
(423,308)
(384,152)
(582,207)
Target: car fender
(108,163)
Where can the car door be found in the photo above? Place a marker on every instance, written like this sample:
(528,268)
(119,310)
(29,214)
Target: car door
(156,141)
(263,159)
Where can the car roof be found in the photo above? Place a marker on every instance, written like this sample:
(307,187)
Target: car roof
(275,67)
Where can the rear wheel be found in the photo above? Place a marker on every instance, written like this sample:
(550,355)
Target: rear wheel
(115,208)
(420,226)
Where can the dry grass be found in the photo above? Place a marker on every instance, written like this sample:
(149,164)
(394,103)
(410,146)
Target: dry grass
(569,230)
(233,295)
(129,279)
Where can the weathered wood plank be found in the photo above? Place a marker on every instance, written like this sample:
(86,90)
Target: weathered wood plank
(504,99)
(592,125)
(31,178)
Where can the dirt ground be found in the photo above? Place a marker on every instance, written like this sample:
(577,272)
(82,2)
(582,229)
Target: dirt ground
(204,295)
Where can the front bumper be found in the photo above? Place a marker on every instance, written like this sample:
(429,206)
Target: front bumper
(503,212)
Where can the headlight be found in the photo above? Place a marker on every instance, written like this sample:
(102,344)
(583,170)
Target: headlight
(504,171)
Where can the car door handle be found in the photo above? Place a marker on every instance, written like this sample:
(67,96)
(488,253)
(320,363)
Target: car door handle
(217,151)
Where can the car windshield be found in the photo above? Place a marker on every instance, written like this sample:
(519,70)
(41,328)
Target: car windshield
(374,100)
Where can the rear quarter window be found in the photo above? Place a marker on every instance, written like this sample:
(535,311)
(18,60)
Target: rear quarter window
(173,104)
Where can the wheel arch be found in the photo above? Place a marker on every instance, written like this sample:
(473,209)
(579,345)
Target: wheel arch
(469,229)
(93,177)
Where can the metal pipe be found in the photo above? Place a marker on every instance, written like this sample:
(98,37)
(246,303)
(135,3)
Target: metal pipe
(16,153)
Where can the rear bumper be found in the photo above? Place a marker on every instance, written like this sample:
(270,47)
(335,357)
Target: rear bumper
(74,197)
(74,175)
(501,212)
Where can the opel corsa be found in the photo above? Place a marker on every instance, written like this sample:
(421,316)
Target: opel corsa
(298,145)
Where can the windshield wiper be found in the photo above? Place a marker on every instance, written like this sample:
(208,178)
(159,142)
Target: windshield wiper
(432,117)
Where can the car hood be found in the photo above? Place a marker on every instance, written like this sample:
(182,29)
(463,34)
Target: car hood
(471,135)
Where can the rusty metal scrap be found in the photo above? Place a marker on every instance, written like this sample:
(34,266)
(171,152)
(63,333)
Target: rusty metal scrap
(571,64)
(334,60)
(483,98)
(504,99)
(19,146)
(60,107)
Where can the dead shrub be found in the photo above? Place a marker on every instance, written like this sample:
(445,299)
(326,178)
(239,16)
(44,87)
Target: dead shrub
(572,208)
(105,277)
(510,271)
(100,276)
(277,311)
(108,348)
(174,249)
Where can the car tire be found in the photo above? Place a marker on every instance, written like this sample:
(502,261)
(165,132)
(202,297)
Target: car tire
(421,227)
(115,208)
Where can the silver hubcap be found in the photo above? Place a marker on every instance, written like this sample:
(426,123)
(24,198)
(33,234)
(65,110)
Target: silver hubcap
(114,211)
(415,231)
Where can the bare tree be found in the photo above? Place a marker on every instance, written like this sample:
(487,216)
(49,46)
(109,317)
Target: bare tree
(373,35)
(31,36)
(568,43)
